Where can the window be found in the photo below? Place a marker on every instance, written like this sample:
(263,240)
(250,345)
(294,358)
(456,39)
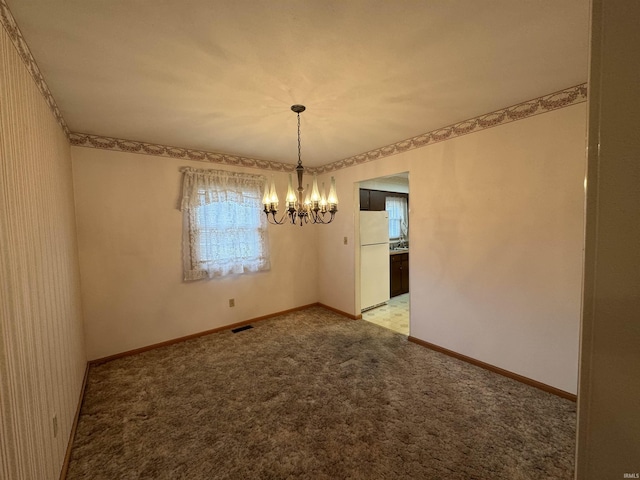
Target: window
(396,207)
(224,229)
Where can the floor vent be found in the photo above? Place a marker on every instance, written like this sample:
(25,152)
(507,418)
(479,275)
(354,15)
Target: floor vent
(240,329)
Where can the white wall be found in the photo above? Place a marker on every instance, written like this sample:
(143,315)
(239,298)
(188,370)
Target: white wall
(130,234)
(496,243)
(42,357)
(609,397)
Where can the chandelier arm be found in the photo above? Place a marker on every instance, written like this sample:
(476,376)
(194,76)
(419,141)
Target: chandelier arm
(318,216)
(272,219)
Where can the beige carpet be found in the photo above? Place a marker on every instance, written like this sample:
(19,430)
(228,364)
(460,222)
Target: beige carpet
(312,395)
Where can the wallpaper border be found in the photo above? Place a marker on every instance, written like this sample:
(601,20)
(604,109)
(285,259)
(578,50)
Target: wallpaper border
(131,146)
(12,29)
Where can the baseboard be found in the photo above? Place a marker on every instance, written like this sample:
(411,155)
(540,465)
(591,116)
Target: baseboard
(74,427)
(173,341)
(492,368)
(340,312)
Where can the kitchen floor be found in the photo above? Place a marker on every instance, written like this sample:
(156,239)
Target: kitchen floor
(394,315)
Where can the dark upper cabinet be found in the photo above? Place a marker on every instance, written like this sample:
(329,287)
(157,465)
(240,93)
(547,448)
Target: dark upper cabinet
(376,200)
(364,199)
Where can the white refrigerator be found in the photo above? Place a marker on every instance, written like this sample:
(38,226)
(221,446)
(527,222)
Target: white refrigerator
(374,259)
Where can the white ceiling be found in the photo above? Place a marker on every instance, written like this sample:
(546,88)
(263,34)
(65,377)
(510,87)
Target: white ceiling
(220,75)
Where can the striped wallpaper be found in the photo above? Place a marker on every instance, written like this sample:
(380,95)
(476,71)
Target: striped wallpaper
(42,357)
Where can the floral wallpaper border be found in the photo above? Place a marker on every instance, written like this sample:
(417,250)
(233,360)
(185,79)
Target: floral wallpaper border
(117,144)
(546,103)
(11,27)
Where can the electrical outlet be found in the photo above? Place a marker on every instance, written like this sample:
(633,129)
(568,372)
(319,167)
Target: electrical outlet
(232,302)
(345,240)
(55,425)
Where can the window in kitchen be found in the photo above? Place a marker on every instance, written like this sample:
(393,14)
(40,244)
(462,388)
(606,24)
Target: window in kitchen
(397,210)
(224,230)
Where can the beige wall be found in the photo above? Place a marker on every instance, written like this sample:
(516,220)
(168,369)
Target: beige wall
(609,398)
(130,234)
(496,243)
(42,358)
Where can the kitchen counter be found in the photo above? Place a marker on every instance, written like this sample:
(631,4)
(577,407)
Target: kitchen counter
(396,252)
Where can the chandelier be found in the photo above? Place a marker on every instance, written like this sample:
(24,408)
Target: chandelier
(316,207)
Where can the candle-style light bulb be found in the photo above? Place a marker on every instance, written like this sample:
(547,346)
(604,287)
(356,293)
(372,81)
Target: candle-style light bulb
(333,197)
(273,195)
(307,201)
(291,196)
(315,195)
(323,199)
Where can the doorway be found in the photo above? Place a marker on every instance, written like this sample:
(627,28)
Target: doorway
(391,195)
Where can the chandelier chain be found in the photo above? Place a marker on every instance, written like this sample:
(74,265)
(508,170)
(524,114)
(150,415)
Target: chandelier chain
(299,147)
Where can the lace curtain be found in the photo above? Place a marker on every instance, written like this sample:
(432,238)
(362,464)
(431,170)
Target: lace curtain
(224,229)
(396,207)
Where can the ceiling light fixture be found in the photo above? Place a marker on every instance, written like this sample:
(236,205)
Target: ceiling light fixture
(316,208)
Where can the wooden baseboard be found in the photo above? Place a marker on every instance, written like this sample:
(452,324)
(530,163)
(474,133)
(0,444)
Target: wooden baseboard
(492,368)
(135,351)
(74,427)
(340,312)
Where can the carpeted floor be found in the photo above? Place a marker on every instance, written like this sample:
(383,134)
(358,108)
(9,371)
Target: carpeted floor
(312,395)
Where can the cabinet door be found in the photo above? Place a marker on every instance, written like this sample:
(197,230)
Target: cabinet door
(364,199)
(395,282)
(405,273)
(377,200)
(399,274)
